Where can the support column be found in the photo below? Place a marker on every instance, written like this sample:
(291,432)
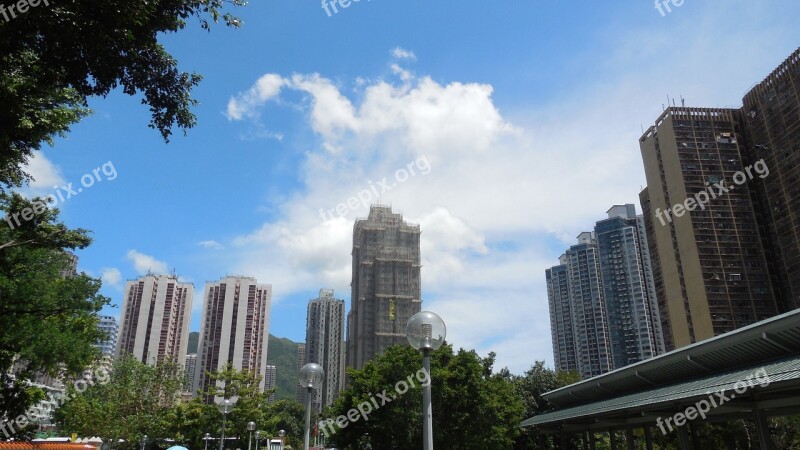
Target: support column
(764,436)
(648,438)
(683,435)
(588,438)
(630,439)
(544,442)
(613,435)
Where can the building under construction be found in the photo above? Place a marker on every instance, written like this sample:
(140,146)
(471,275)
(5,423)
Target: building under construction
(386,289)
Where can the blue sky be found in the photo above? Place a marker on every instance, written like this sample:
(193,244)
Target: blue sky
(521,121)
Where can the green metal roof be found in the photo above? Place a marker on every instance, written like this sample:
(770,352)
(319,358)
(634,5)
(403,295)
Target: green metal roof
(683,374)
(781,374)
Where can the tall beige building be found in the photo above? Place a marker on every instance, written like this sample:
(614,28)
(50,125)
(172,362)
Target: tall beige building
(234,328)
(386,286)
(709,268)
(772,113)
(155,319)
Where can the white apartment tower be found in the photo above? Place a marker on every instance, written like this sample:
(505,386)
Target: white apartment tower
(108,325)
(234,328)
(155,319)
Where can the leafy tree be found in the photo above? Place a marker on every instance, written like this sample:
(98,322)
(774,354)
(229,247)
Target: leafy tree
(287,415)
(137,400)
(530,387)
(48,321)
(55,56)
(472,408)
(201,415)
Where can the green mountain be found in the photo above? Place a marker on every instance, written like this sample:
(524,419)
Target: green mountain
(282,353)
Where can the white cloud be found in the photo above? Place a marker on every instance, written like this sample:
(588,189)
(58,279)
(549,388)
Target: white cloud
(404,74)
(245,104)
(45,175)
(144,264)
(111,276)
(401,53)
(212,245)
(507,190)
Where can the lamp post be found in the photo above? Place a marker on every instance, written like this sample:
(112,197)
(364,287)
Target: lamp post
(206,438)
(258,438)
(426,332)
(310,378)
(225,408)
(250,427)
(144,441)
(281,434)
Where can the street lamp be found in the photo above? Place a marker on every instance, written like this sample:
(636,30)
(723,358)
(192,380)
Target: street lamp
(250,427)
(426,332)
(144,441)
(310,378)
(225,408)
(206,438)
(258,436)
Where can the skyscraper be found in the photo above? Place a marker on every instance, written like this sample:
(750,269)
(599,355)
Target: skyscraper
(772,115)
(300,392)
(191,371)
(155,319)
(386,289)
(561,327)
(603,310)
(108,325)
(270,380)
(634,325)
(234,329)
(713,271)
(324,337)
(590,323)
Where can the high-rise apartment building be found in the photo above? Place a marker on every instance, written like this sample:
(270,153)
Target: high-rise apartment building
(324,338)
(771,112)
(72,265)
(603,310)
(300,392)
(155,319)
(385,287)
(108,325)
(191,371)
(590,323)
(234,329)
(561,318)
(634,326)
(711,272)
(270,381)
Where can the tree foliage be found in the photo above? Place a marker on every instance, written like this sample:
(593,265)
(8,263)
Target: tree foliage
(48,321)
(137,400)
(472,407)
(199,416)
(529,387)
(55,56)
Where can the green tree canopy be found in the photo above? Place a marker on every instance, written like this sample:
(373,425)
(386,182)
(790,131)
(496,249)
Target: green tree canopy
(201,416)
(137,400)
(472,408)
(530,386)
(55,56)
(48,321)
